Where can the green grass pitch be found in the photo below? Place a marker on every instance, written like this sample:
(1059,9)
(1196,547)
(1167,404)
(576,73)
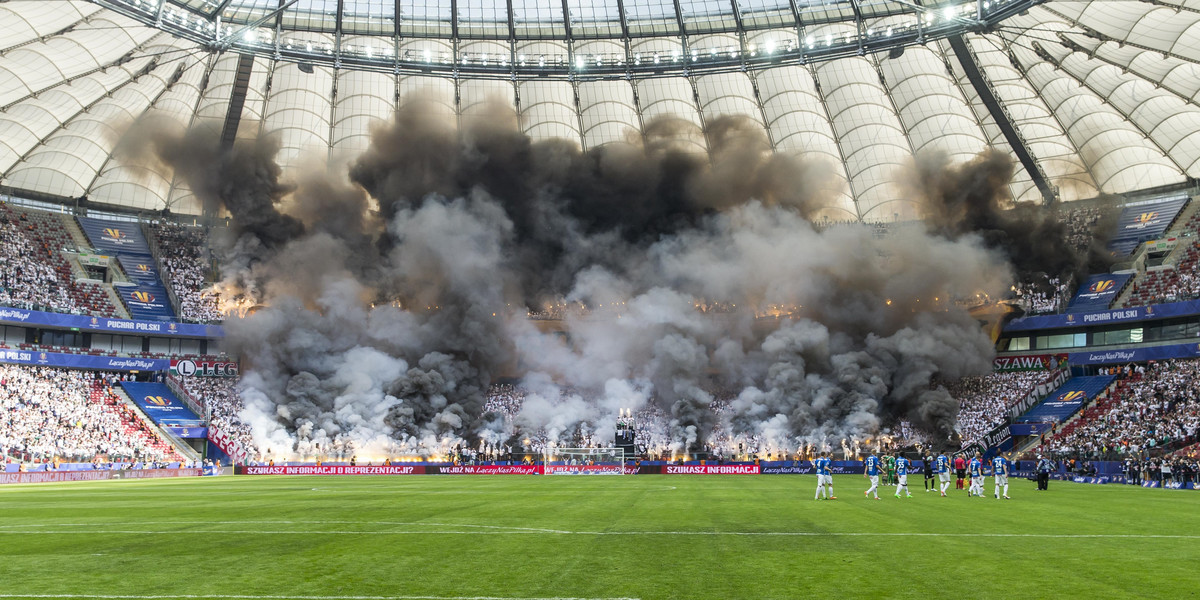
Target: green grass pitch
(648,537)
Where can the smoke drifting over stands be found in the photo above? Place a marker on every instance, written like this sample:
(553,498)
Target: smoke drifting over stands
(392,294)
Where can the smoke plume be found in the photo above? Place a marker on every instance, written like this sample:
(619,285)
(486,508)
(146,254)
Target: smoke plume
(393,294)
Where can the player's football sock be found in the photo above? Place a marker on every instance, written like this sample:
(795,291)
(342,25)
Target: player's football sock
(1006,490)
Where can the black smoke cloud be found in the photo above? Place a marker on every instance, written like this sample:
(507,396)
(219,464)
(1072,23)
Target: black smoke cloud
(973,197)
(394,294)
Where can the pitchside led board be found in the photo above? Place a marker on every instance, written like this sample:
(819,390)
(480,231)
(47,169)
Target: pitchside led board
(1097,292)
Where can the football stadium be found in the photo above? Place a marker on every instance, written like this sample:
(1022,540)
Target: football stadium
(608,300)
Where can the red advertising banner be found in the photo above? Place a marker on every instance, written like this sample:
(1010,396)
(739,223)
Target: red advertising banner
(588,470)
(1027,362)
(56,476)
(335,470)
(711,469)
(490,470)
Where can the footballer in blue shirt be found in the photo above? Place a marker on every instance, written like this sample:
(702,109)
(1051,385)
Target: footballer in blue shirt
(1000,472)
(871,472)
(902,466)
(943,471)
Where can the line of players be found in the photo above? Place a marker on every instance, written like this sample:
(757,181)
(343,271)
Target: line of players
(999,469)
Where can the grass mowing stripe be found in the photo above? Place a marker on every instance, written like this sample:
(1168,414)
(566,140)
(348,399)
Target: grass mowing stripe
(288,597)
(609,533)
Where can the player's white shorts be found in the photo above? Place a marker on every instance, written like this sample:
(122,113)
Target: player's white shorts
(944,477)
(903,479)
(820,479)
(874,480)
(977,481)
(1002,480)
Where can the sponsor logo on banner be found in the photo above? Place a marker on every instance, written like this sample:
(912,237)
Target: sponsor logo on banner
(491,470)
(61,320)
(1030,362)
(114,233)
(712,470)
(9,314)
(1101,286)
(204,368)
(1073,397)
(1144,220)
(144,268)
(158,401)
(588,470)
(792,470)
(56,476)
(146,297)
(335,470)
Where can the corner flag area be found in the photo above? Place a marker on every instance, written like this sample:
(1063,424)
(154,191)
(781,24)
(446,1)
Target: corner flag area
(648,537)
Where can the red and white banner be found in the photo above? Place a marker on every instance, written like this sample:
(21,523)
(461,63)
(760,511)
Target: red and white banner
(335,470)
(711,469)
(228,445)
(490,470)
(588,470)
(56,476)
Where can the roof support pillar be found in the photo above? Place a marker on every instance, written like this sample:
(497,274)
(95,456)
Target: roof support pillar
(1000,116)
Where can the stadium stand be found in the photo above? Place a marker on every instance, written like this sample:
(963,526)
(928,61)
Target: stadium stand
(1153,407)
(1170,285)
(1067,399)
(33,273)
(984,401)
(147,299)
(219,397)
(48,414)
(1143,222)
(181,250)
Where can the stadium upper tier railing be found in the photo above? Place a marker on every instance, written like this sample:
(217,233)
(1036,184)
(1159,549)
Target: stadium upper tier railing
(390,39)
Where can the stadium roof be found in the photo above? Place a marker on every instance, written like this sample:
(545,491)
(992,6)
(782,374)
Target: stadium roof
(1093,96)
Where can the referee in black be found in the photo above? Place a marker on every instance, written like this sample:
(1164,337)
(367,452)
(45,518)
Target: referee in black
(1043,475)
(930,484)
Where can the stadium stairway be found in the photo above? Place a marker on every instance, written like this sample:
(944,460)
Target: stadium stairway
(115,298)
(171,441)
(1068,399)
(74,231)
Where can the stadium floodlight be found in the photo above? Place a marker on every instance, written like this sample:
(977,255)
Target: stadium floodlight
(584,461)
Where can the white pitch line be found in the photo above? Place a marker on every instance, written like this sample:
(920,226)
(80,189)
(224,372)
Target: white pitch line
(289,597)
(609,533)
(412,523)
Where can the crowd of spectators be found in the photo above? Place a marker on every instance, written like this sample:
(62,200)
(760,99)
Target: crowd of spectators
(983,401)
(1145,412)
(182,250)
(1042,295)
(51,414)
(27,278)
(1080,223)
(1176,468)
(219,398)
